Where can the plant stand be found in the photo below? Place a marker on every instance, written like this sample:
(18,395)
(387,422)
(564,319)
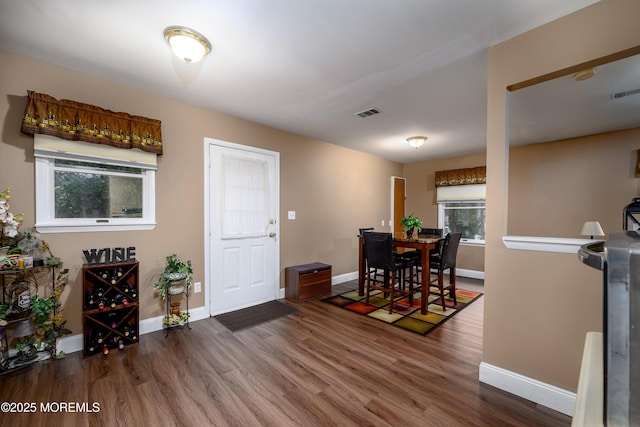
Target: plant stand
(19,285)
(174,317)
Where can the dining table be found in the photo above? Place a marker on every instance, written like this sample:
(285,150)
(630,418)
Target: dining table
(422,243)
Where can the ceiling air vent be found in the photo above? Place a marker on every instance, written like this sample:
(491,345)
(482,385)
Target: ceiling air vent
(367,113)
(623,94)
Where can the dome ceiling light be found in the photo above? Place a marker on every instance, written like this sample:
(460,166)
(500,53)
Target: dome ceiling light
(187,44)
(416,141)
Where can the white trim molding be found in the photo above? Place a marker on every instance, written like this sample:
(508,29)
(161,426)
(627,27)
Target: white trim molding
(75,342)
(545,244)
(536,391)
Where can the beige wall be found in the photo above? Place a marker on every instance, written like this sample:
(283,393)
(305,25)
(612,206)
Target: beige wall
(421,199)
(334,190)
(538,306)
(575,180)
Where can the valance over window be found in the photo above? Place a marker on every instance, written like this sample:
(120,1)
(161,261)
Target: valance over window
(76,121)
(477,175)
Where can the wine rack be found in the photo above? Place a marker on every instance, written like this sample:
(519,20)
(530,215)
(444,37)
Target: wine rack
(110,306)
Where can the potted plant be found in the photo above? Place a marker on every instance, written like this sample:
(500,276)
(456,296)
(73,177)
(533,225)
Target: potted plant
(176,275)
(410,224)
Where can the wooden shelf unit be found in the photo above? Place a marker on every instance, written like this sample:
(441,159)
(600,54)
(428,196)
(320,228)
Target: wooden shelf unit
(111,312)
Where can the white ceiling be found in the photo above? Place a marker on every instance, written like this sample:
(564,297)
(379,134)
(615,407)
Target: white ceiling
(301,66)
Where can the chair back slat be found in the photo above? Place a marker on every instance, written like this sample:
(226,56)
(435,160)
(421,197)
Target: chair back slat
(379,250)
(450,250)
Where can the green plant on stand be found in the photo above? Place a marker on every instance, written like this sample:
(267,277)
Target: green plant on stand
(411,223)
(176,274)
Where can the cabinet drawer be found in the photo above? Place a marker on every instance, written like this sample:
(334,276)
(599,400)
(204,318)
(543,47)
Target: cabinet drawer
(309,279)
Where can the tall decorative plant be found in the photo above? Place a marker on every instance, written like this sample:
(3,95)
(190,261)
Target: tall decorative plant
(9,223)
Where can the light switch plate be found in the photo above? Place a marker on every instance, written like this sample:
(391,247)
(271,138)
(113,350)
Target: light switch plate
(197,287)
(291,215)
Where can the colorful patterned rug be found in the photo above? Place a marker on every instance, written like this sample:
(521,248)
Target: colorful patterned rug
(404,315)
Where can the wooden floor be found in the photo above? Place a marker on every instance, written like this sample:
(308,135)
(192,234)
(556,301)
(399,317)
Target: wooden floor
(322,366)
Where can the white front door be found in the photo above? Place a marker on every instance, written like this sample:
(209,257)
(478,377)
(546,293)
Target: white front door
(243,251)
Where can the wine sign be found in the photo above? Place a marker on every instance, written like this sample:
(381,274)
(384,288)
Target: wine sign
(110,255)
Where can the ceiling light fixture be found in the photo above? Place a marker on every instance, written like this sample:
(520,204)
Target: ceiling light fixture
(416,141)
(584,74)
(187,44)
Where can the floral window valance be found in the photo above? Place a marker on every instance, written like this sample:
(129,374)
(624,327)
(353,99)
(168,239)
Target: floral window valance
(76,121)
(477,175)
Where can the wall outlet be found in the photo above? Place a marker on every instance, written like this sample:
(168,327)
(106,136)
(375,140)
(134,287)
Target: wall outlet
(382,223)
(197,287)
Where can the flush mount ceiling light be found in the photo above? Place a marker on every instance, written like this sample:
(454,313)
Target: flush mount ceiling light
(584,74)
(416,141)
(187,44)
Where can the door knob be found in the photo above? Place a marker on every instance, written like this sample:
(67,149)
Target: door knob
(272,234)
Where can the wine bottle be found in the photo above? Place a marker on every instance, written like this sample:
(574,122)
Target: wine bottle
(113,303)
(99,337)
(121,299)
(105,349)
(114,319)
(104,274)
(119,343)
(102,303)
(90,300)
(100,291)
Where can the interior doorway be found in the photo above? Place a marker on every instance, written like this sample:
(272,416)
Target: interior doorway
(398,198)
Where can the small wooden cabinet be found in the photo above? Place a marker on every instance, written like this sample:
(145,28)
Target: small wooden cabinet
(111,309)
(307,281)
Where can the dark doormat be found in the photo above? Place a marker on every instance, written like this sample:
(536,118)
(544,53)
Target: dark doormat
(252,316)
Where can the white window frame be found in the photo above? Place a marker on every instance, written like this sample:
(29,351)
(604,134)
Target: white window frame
(459,194)
(441,215)
(45,196)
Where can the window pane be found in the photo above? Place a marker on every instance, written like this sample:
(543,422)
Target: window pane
(467,218)
(107,193)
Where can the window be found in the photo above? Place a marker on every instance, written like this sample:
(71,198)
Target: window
(80,192)
(462,209)
(466,217)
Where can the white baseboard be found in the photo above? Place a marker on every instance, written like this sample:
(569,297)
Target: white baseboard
(75,342)
(471,274)
(336,280)
(536,391)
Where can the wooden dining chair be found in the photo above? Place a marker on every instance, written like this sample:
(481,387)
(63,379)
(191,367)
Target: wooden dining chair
(443,260)
(381,255)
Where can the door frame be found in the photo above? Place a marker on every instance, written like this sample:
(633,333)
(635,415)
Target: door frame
(207,286)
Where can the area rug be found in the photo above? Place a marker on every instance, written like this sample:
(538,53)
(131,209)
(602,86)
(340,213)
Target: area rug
(252,316)
(404,315)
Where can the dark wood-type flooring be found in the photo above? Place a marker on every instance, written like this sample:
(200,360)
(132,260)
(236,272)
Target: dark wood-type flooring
(322,366)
